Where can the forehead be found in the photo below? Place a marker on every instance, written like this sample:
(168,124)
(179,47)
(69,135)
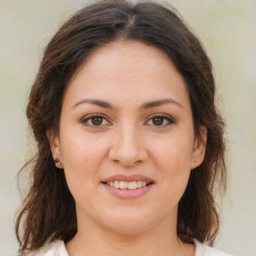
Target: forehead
(127,71)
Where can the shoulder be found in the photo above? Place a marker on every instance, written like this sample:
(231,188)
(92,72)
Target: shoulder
(56,248)
(204,250)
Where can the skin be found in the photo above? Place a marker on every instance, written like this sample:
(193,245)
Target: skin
(127,139)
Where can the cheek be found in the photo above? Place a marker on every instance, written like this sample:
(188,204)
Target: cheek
(82,158)
(174,152)
(81,149)
(173,161)
(175,169)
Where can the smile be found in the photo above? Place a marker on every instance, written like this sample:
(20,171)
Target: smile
(127,185)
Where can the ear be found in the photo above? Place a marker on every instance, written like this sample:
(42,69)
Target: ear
(199,148)
(55,147)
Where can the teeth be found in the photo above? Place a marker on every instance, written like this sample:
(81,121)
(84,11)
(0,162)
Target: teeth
(127,185)
(132,185)
(123,184)
(139,184)
(116,184)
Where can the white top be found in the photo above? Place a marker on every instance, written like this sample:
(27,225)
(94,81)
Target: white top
(58,248)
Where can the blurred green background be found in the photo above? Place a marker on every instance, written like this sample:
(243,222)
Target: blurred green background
(227,28)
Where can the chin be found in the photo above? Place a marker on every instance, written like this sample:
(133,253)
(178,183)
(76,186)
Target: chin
(129,228)
(128,222)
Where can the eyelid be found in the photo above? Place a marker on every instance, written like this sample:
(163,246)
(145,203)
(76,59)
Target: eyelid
(86,118)
(90,116)
(166,117)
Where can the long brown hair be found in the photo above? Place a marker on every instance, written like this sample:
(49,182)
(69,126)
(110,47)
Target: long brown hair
(48,211)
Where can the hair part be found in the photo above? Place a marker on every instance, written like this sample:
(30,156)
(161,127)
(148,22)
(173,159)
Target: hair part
(48,211)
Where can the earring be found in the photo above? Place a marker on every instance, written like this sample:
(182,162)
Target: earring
(57,162)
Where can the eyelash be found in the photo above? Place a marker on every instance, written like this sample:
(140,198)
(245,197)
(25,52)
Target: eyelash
(86,120)
(168,119)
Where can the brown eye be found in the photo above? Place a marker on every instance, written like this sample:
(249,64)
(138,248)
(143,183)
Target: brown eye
(158,120)
(97,120)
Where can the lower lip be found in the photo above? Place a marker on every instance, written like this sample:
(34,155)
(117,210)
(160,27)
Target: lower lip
(128,193)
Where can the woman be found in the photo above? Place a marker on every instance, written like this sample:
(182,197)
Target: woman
(130,143)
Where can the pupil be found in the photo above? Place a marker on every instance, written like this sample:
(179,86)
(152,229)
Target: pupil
(158,121)
(97,120)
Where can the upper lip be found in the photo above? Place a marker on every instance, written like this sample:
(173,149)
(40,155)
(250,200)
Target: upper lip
(132,177)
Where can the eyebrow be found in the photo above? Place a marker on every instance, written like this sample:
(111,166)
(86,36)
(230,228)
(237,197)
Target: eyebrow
(147,105)
(158,103)
(97,102)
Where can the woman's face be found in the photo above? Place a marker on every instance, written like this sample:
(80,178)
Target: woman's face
(126,138)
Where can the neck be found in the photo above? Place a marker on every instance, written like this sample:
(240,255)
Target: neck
(160,240)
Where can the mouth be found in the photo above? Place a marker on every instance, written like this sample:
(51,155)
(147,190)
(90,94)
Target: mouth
(128,187)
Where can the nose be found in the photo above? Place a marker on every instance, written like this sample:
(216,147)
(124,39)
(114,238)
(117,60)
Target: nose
(127,146)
